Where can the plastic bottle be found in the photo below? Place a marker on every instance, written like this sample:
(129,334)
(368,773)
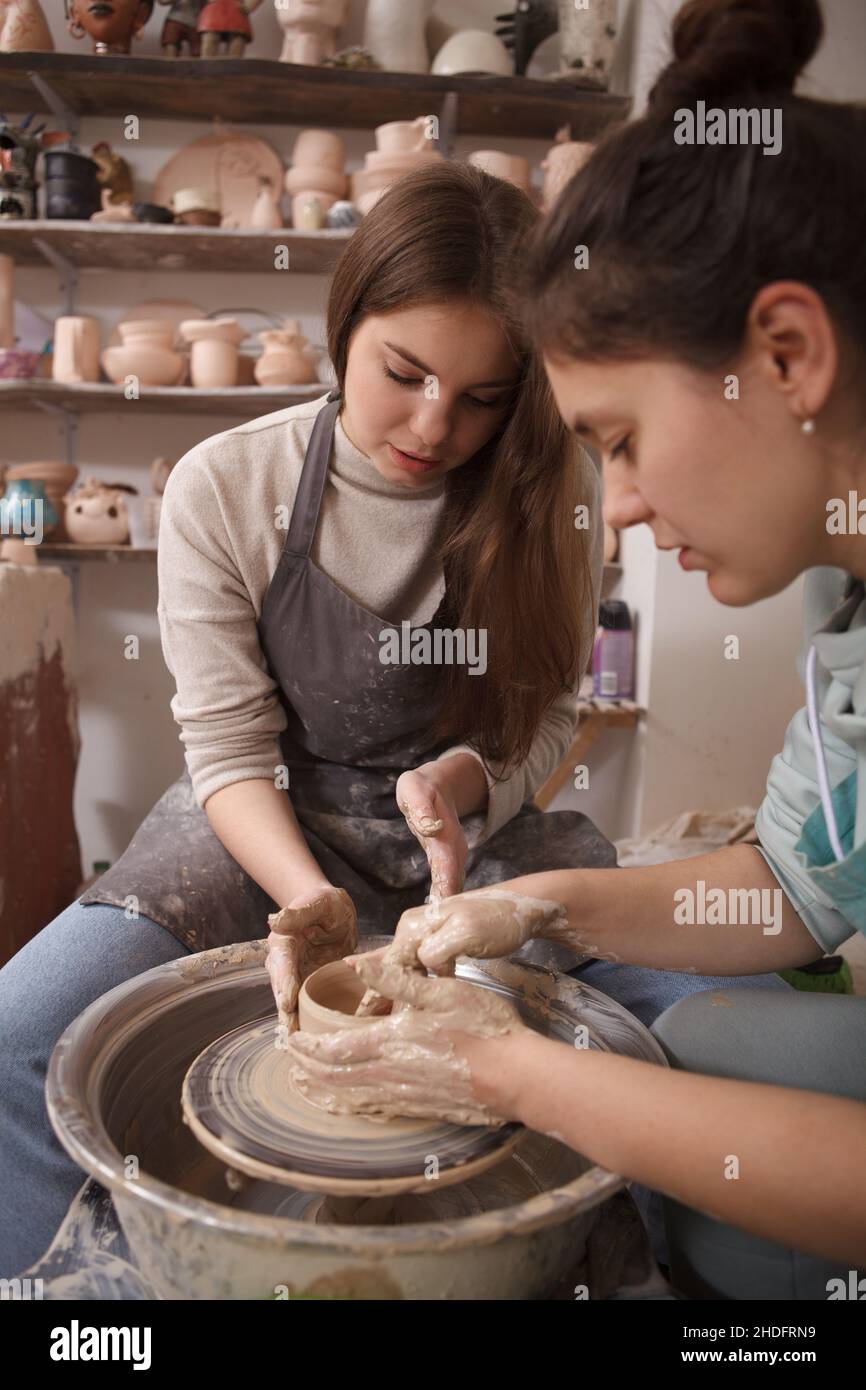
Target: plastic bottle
(613,653)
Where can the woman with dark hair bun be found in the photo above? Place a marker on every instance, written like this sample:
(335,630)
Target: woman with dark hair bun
(712,346)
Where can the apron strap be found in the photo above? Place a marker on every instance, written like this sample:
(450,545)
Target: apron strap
(314,475)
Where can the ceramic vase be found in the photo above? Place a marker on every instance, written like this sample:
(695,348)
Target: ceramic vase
(288,359)
(24,28)
(56,478)
(146,353)
(394,32)
(266,214)
(20,504)
(214,355)
(310,28)
(76,349)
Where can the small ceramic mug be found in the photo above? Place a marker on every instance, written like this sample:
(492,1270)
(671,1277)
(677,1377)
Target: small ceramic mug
(328,999)
(76,349)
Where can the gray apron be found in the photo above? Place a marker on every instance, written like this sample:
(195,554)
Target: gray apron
(354,725)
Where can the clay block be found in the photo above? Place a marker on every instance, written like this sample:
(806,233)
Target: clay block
(40,857)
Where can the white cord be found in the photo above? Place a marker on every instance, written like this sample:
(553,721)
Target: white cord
(820,756)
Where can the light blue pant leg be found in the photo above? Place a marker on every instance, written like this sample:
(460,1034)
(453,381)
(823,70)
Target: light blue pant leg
(79,956)
(647,994)
(814,1042)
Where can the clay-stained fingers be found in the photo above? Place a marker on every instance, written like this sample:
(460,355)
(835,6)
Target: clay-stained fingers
(447,859)
(343,1048)
(331,909)
(420,813)
(283,966)
(409,986)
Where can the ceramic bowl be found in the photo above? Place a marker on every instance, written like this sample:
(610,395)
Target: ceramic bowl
(154,366)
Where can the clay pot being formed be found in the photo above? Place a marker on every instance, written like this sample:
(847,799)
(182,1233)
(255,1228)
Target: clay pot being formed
(328,999)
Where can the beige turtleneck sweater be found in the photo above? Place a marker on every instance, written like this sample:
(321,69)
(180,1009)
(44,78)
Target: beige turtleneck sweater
(222,529)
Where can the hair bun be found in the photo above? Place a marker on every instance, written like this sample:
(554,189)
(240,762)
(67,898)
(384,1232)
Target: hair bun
(727,46)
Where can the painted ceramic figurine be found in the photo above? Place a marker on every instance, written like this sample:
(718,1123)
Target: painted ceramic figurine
(111,24)
(114,174)
(180,30)
(310,28)
(224,27)
(24,28)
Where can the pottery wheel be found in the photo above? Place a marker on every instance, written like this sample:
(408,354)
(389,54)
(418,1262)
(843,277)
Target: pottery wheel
(241,1104)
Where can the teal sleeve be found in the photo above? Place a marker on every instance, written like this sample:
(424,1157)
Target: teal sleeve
(792,795)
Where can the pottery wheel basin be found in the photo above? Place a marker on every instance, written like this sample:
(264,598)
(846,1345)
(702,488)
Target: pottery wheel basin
(197,1231)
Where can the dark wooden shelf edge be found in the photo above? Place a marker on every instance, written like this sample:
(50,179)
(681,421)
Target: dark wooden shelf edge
(263,91)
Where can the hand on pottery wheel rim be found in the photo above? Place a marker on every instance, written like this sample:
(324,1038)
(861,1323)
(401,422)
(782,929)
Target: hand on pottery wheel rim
(312,930)
(408,1064)
(486,923)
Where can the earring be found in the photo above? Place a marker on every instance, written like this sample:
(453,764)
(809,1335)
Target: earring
(808,427)
(76,29)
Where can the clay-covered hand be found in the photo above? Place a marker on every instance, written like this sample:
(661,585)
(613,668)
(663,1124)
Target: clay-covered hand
(486,923)
(411,1063)
(432,817)
(314,929)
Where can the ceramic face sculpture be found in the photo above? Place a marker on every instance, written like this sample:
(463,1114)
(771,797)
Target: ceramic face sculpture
(96,514)
(111,24)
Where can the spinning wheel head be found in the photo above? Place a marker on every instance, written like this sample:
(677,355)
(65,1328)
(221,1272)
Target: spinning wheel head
(240,1103)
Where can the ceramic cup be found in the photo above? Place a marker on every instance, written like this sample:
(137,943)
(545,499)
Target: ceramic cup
(319,147)
(328,999)
(76,349)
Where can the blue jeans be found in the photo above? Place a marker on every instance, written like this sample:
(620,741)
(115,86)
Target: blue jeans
(82,954)
(78,957)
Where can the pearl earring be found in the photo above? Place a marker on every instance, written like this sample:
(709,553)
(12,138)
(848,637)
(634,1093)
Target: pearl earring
(808,427)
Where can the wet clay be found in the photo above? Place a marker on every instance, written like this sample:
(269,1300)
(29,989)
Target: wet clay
(240,1102)
(405,1065)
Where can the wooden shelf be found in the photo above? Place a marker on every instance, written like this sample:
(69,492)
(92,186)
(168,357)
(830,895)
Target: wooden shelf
(265,92)
(105,397)
(594,717)
(150,246)
(113,554)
